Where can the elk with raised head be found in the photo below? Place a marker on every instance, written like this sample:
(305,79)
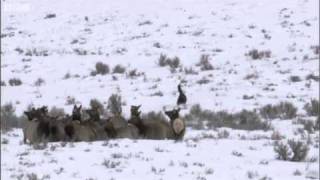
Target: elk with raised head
(158,129)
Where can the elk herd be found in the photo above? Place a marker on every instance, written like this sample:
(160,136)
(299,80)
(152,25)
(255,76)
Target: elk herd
(42,127)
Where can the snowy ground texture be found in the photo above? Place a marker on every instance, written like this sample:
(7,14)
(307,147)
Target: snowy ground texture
(63,50)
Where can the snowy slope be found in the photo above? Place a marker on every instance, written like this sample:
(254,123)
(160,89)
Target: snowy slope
(114,25)
(125,32)
(202,155)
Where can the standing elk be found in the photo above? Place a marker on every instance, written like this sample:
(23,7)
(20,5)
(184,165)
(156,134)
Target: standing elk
(182,98)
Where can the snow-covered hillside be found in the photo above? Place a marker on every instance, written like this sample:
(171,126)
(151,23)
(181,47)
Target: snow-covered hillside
(124,32)
(61,41)
(202,155)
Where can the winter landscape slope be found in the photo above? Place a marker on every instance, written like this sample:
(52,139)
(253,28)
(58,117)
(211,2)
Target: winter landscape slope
(60,42)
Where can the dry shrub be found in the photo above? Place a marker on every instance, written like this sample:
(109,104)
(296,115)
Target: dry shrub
(9,119)
(312,107)
(15,82)
(57,112)
(173,63)
(119,69)
(100,68)
(283,151)
(154,116)
(295,79)
(256,54)
(96,104)
(202,119)
(312,77)
(204,63)
(114,104)
(299,150)
(283,110)
(291,151)
(39,82)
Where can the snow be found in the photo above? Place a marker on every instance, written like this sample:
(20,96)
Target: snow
(188,159)
(118,32)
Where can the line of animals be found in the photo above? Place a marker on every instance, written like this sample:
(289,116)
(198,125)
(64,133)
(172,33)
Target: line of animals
(41,127)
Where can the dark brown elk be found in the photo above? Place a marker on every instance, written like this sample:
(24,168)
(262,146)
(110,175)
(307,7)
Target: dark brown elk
(76,113)
(57,128)
(182,98)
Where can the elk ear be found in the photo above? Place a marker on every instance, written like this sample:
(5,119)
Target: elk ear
(80,107)
(28,115)
(178,110)
(75,106)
